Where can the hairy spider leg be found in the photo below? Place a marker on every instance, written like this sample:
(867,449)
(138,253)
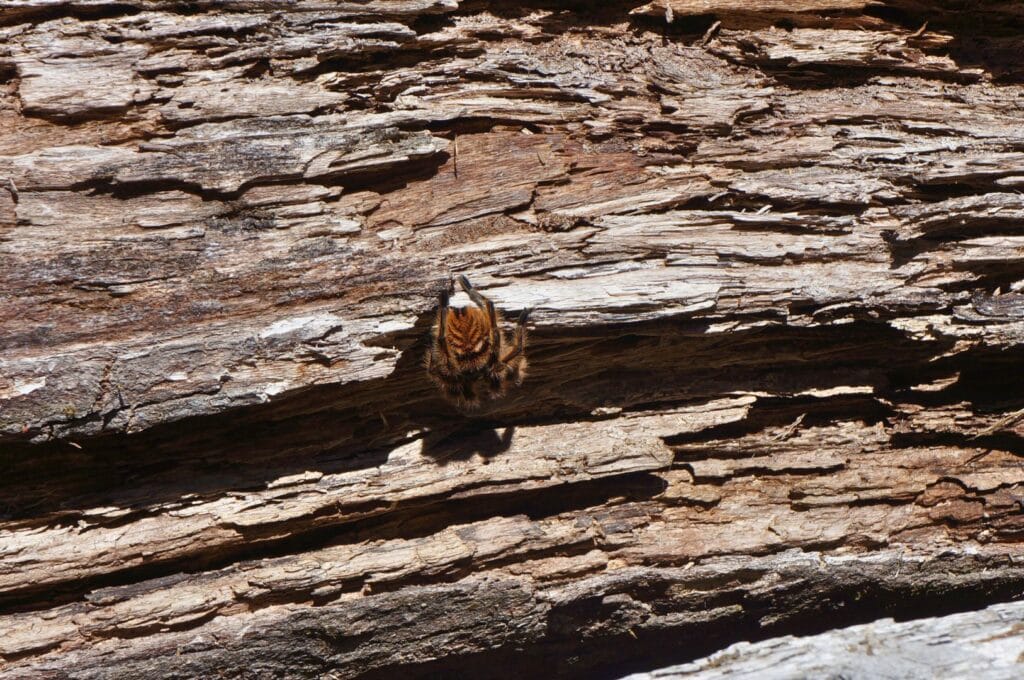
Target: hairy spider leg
(442,319)
(439,357)
(518,337)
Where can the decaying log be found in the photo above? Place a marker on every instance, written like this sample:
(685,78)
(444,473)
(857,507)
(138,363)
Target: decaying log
(775,252)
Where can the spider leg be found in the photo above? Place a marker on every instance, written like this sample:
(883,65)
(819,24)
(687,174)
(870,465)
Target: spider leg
(518,337)
(442,318)
(492,318)
(474,295)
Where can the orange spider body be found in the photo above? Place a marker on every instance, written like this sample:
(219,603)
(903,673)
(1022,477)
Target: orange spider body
(468,333)
(470,359)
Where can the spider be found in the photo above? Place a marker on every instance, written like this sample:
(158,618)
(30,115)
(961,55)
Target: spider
(470,359)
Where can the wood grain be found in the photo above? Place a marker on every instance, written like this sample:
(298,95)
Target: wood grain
(777,270)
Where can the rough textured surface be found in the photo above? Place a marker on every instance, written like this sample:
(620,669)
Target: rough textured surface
(988,641)
(776,256)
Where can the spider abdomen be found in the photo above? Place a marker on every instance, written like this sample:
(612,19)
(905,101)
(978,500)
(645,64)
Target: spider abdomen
(468,334)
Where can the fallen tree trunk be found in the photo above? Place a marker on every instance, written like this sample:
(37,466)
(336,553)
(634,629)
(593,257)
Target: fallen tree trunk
(776,264)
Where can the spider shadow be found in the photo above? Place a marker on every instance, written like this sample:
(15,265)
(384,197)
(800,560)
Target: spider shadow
(463,442)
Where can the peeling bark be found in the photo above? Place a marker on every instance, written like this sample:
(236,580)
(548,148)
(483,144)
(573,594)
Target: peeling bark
(774,252)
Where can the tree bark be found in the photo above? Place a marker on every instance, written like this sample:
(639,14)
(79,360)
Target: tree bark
(776,259)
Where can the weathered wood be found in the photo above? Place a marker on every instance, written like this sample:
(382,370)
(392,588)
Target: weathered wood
(959,645)
(775,256)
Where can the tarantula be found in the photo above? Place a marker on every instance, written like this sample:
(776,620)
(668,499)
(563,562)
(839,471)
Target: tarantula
(470,358)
